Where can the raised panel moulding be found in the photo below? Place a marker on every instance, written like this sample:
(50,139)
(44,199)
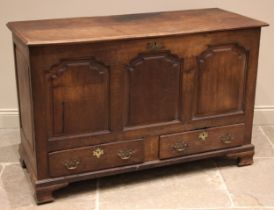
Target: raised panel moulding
(153,94)
(75,86)
(221,81)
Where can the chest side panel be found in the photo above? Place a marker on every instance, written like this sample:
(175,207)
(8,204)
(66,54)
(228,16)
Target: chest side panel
(24,90)
(27,147)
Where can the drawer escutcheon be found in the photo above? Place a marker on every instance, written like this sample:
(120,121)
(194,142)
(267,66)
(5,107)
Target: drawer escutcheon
(126,154)
(98,152)
(203,136)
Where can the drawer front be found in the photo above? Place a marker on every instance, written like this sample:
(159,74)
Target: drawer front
(180,144)
(96,157)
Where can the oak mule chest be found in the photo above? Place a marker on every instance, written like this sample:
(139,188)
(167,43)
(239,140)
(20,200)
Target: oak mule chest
(107,95)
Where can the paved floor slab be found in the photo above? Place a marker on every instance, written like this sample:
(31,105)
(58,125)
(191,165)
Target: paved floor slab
(183,186)
(251,186)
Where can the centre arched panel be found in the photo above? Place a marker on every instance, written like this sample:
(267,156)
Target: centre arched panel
(152,89)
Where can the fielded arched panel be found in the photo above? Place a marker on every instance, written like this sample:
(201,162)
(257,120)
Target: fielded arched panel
(153,89)
(220,81)
(79,96)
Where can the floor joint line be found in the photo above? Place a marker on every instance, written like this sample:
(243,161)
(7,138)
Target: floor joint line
(225,186)
(3,168)
(267,137)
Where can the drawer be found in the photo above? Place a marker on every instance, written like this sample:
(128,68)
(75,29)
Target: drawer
(98,157)
(197,141)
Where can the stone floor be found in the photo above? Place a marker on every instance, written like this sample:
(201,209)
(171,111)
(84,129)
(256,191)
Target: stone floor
(208,184)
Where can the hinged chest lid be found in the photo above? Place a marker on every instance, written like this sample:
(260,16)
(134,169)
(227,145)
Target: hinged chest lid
(92,29)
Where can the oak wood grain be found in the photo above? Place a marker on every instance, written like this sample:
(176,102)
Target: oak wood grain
(90,29)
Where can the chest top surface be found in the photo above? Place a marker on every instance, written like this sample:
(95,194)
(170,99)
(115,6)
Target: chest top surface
(92,29)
